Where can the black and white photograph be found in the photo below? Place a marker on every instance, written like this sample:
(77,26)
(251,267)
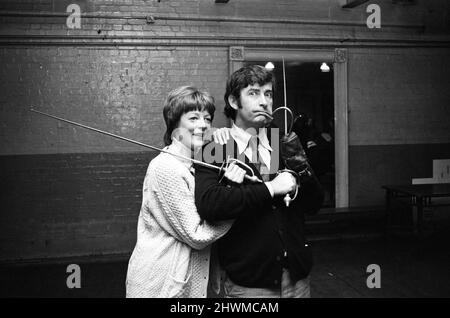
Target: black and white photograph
(225,154)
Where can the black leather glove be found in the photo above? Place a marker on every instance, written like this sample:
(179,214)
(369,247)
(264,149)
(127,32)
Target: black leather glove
(294,156)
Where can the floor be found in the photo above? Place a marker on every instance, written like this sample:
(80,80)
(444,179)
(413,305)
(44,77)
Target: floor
(408,268)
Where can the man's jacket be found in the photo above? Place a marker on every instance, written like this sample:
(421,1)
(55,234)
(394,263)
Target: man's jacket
(253,252)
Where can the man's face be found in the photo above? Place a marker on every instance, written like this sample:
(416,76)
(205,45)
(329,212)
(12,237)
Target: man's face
(254,104)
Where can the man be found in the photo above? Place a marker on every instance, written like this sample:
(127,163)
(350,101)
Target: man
(264,254)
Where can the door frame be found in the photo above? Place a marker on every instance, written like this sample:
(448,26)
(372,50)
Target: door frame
(239,54)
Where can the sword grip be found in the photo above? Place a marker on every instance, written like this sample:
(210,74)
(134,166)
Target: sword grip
(287,200)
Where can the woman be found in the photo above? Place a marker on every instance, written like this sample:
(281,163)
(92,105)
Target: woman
(172,254)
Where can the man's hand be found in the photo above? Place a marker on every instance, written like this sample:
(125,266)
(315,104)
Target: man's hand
(283,183)
(234,173)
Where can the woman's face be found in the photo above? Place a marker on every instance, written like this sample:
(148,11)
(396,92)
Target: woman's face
(192,127)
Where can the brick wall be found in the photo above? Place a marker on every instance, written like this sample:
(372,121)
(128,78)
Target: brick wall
(69,192)
(399,118)
(399,97)
(121,90)
(70,204)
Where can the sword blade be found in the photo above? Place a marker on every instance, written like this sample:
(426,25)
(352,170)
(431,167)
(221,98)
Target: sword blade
(285,99)
(124,138)
(201,163)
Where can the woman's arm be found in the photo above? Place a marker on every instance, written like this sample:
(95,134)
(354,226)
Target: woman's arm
(168,187)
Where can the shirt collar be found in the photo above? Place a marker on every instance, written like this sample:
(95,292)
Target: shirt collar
(242,138)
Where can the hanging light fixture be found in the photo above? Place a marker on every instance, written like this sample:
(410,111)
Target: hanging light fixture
(269,66)
(324,67)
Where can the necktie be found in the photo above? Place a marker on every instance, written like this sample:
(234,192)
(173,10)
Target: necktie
(257,159)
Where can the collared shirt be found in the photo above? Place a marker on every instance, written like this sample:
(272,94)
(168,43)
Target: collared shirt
(242,139)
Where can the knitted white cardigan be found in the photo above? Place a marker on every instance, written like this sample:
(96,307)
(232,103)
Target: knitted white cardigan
(172,254)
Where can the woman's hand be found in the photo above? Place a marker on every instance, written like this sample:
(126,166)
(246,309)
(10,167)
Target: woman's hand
(221,135)
(234,173)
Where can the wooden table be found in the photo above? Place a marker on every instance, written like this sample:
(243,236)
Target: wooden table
(420,196)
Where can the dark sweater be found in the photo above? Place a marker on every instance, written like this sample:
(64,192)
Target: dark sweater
(252,252)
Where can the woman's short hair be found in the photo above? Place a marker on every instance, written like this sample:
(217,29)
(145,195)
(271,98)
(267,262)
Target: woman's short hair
(182,100)
(245,76)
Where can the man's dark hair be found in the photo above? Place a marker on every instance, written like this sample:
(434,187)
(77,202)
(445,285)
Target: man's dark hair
(245,76)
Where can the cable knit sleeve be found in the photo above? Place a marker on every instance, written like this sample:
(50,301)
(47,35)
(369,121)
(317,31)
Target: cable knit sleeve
(175,204)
